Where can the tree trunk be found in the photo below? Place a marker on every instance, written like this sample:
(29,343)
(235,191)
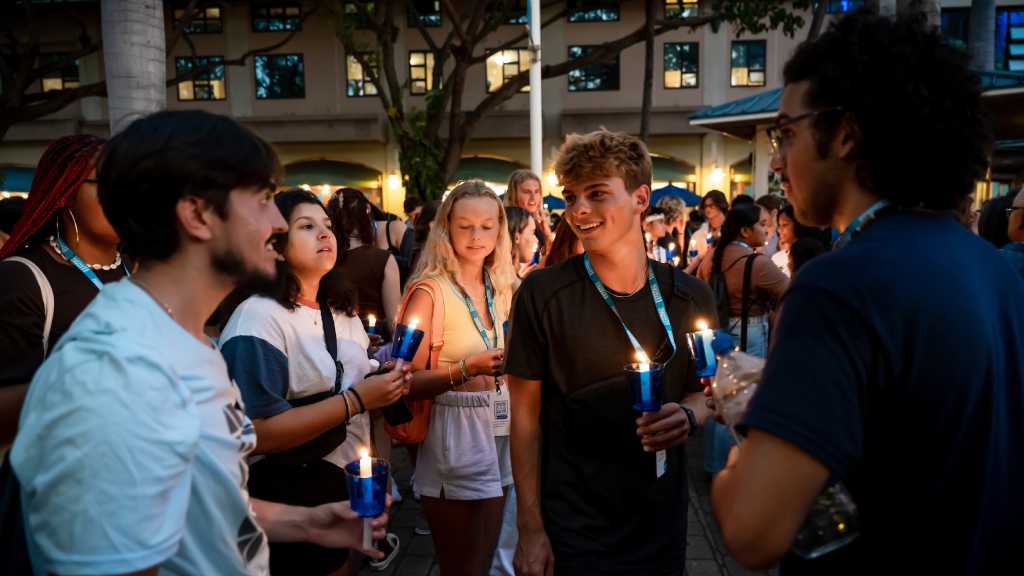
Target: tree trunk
(645,110)
(981,35)
(134,55)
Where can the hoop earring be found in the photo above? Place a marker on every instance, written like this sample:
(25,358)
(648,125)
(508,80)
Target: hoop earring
(75,222)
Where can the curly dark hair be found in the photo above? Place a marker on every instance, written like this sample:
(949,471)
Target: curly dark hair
(915,104)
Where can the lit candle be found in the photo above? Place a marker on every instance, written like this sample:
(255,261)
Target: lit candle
(693,247)
(671,248)
(407,338)
(707,335)
(413,323)
(675,261)
(366,477)
(371,322)
(365,464)
(644,368)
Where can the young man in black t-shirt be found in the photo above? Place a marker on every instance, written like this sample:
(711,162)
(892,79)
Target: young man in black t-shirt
(593,498)
(898,367)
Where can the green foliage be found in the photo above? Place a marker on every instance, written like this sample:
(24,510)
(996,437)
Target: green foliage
(756,16)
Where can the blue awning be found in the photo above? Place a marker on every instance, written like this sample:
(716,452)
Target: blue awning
(736,116)
(15,179)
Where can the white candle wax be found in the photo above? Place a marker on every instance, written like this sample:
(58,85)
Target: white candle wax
(365,464)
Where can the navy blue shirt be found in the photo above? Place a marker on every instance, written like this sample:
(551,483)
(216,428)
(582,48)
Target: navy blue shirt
(899,365)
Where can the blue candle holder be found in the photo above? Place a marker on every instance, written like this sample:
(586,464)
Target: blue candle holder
(406,342)
(371,328)
(645,386)
(368,496)
(706,345)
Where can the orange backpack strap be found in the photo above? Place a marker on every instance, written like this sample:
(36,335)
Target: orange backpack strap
(433,289)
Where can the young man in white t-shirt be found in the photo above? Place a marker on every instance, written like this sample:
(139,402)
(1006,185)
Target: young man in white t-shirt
(132,443)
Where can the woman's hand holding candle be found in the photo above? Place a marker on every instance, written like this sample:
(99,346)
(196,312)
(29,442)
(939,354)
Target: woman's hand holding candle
(385,389)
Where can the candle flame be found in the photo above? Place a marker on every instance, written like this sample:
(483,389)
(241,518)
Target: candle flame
(702,324)
(641,358)
(414,323)
(371,319)
(675,260)
(671,246)
(364,453)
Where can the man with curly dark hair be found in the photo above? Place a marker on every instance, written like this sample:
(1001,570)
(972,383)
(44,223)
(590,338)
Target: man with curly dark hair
(899,364)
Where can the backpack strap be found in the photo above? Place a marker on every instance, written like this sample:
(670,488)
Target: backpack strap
(433,289)
(745,302)
(47,293)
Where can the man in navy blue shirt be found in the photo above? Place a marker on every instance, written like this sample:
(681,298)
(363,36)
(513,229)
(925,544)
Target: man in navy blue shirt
(899,363)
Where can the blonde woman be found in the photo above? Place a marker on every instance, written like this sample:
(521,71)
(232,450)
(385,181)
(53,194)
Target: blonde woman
(524,191)
(463,467)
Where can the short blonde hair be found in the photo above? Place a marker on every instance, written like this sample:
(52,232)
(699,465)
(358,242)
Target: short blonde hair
(604,154)
(514,181)
(438,258)
(673,206)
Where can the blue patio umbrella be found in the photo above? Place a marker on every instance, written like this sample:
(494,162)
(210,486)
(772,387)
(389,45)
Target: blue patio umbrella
(689,198)
(552,202)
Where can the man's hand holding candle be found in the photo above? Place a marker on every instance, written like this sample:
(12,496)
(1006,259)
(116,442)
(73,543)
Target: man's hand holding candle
(663,429)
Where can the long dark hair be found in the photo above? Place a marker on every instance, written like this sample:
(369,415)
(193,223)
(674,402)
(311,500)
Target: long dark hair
(822,235)
(736,219)
(349,211)
(716,197)
(333,291)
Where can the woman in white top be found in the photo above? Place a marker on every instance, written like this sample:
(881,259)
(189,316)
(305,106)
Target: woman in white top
(303,381)
(463,468)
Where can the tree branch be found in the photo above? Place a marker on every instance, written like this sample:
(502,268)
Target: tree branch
(601,53)
(182,25)
(455,17)
(517,39)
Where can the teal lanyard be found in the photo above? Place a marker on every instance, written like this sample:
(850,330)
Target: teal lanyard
(659,304)
(860,221)
(70,256)
(742,244)
(489,294)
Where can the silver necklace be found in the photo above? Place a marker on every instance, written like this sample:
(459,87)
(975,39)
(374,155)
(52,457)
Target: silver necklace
(113,266)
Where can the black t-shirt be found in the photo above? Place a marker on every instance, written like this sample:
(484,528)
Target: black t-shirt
(21,309)
(899,365)
(604,510)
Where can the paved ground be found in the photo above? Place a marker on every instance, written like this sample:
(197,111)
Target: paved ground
(705,554)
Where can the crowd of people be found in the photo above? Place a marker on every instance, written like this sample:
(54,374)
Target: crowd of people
(191,357)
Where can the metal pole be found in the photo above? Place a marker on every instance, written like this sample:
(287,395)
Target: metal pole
(536,113)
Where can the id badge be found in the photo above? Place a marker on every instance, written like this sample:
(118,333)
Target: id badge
(502,407)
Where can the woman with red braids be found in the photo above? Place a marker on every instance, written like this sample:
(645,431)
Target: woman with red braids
(61,252)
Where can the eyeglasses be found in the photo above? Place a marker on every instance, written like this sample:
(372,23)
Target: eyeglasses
(1009,211)
(775,137)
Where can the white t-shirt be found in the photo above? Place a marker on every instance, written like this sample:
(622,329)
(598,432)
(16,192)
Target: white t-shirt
(276,354)
(131,450)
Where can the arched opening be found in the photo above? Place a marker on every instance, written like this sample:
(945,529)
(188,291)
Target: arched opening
(325,176)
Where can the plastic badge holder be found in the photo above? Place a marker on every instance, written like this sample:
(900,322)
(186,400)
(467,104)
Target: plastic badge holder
(368,495)
(646,386)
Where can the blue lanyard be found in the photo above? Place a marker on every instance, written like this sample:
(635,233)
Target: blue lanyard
(70,256)
(742,244)
(659,304)
(860,221)
(489,294)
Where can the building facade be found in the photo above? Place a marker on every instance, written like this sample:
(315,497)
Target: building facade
(316,105)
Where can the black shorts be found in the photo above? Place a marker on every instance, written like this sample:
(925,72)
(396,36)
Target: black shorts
(300,485)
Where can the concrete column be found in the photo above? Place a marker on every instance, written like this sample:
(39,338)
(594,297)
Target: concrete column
(90,70)
(240,79)
(714,168)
